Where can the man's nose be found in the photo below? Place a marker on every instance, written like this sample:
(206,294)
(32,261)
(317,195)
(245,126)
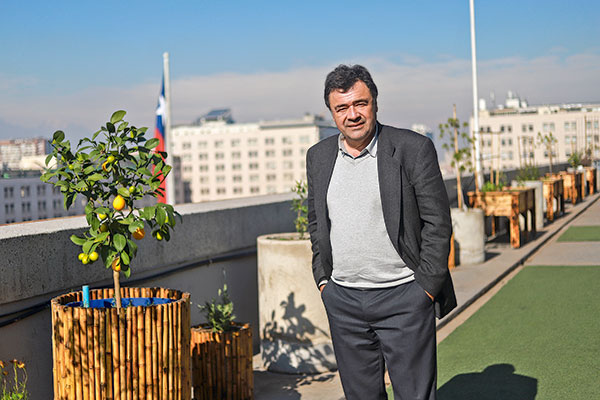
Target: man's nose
(352,114)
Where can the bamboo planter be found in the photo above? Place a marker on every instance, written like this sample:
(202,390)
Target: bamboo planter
(137,353)
(222,364)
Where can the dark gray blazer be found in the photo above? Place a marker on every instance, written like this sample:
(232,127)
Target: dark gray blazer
(415,208)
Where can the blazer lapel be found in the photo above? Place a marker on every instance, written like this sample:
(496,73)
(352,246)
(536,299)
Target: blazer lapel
(389,170)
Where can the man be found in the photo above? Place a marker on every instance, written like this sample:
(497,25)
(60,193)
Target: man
(380,229)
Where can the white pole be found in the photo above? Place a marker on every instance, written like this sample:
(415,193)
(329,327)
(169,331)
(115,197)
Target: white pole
(169,147)
(475,132)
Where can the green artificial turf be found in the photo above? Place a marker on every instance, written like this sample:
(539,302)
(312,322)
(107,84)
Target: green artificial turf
(537,338)
(581,234)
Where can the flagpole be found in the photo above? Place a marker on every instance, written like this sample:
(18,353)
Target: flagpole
(475,133)
(169,145)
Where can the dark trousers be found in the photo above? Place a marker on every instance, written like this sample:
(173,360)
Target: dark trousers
(374,328)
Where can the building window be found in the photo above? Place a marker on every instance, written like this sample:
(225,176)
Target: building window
(237,178)
(254,189)
(287,152)
(220,178)
(567,125)
(187,157)
(286,140)
(236,167)
(271,177)
(530,128)
(503,142)
(236,155)
(221,190)
(253,166)
(596,125)
(220,167)
(237,190)
(253,154)
(288,176)
(187,168)
(202,156)
(252,142)
(205,191)
(41,190)
(253,178)
(219,156)
(24,191)
(510,155)
(203,168)
(509,141)
(304,139)
(596,138)
(218,144)
(270,153)
(56,190)
(524,128)
(509,128)
(288,165)
(271,165)
(203,179)
(202,144)
(574,125)
(187,145)
(9,192)
(269,141)
(271,189)
(235,142)
(303,151)
(588,125)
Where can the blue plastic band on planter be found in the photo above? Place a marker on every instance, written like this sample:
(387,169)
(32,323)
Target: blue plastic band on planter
(125,302)
(86,296)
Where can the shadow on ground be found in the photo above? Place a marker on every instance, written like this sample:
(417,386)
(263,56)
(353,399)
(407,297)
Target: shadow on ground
(284,386)
(497,381)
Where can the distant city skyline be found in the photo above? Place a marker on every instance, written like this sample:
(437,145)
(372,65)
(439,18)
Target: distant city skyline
(70,66)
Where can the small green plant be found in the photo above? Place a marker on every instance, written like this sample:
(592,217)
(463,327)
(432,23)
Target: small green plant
(575,159)
(461,156)
(548,141)
(219,314)
(18,391)
(299,206)
(528,172)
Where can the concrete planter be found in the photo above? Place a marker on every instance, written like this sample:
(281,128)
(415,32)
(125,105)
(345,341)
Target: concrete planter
(294,330)
(539,201)
(469,235)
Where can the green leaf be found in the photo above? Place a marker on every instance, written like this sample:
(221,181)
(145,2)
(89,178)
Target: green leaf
(80,185)
(87,246)
(132,248)
(161,216)
(110,127)
(58,136)
(89,170)
(135,226)
(101,237)
(152,143)
(145,171)
(77,240)
(123,192)
(117,116)
(126,272)
(125,258)
(119,241)
(149,212)
(48,159)
(166,170)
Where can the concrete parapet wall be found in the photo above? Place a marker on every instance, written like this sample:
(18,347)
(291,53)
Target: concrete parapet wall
(39,262)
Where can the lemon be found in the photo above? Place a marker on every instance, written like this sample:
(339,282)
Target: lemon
(119,203)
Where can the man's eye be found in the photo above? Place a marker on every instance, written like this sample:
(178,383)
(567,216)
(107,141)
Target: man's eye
(342,109)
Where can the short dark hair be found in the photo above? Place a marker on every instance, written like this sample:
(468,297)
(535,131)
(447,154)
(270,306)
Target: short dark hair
(343,77)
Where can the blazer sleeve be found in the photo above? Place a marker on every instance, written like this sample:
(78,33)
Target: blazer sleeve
(317,267)
(434,213)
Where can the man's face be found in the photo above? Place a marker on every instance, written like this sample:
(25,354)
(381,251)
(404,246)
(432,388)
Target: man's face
(354,112)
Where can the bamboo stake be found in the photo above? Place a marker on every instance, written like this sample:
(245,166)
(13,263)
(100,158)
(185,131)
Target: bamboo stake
(97,365)
(165,354)
(141,353)
(155,368)
(178,358)
(70,354)
(85,366)
(105,359)
(122,353)
(458,178)
(129,311)
(77,355)
(170,344)
(148,350)
(115,353)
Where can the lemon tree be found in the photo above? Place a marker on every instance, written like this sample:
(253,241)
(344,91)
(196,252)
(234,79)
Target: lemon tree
(111,170)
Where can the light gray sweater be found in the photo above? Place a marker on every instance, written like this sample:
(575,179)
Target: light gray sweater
(363,254)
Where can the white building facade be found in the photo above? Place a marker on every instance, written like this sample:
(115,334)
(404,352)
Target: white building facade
(509,135)
(13,150)
(221,159)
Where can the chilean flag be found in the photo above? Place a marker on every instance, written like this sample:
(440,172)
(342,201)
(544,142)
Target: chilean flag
(159,133)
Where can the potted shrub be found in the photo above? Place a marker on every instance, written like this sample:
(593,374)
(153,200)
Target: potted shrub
(222,354)
(467,223)
(294,329)
(109,346)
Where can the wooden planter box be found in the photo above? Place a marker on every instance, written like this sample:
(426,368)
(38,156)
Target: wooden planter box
(222,364)
(137,353)
(508,203)
(554,190)
(590,173)
(572,185)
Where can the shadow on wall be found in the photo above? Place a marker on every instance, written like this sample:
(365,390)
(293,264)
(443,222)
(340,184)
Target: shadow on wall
(288,344)
(497,381)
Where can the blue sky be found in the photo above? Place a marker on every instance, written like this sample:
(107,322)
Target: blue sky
(68,64)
